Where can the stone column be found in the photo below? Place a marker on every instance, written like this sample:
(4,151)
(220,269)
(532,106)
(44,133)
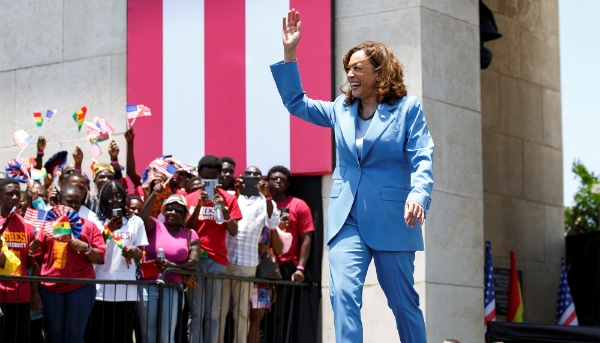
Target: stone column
(438,43)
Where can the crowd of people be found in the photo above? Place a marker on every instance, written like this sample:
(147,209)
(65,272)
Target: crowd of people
(131,226)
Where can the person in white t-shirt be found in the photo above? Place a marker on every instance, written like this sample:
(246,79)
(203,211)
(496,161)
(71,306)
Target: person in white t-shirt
(113,314)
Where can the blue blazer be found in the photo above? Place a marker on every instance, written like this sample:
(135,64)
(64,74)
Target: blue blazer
(396,163)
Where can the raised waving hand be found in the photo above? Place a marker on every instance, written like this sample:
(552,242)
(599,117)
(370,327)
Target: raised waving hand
(292,32)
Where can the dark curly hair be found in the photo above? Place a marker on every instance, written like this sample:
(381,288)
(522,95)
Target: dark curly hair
(280,169)
(104,195)
(390,72)
(210,161)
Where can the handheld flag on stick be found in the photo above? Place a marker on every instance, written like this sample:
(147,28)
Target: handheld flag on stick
(35,218)
(515,311)
(49,115)
(79,116)
(97,131)
(489,311)
(137,111)
(565,307)
(21,139)
(38,118)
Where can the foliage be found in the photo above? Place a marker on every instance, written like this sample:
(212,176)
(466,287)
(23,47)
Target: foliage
(583,217)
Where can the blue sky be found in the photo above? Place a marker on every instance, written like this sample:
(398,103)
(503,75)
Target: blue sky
(579,25)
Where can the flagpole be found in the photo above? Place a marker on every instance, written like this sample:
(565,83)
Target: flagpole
(26,145)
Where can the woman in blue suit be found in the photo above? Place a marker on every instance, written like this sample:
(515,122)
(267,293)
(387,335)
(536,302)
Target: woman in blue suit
(381,184)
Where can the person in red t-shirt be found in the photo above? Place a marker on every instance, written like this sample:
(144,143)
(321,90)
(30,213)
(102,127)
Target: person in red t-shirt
(68,306)
(213,259)
(298,221)
(15,299)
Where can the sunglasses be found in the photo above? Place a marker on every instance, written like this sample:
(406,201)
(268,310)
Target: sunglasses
(174,209)
(280,179)
(251,173)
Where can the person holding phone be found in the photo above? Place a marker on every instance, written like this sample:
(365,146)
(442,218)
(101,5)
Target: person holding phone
(181,249)
(119,264)
(381,184)
(205,300)
(258,211)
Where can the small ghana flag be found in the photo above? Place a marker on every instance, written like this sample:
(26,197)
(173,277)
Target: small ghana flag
(109,235)
(38,118)
(79,116)
(61,226)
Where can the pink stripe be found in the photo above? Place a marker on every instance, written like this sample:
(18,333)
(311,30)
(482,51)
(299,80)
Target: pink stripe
(225,80)
(144,76)
(310,145)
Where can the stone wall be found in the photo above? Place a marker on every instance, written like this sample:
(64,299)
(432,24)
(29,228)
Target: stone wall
(522,149)
(62,55)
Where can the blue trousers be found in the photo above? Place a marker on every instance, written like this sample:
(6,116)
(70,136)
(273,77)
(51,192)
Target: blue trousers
(66,314)
(349,259)
(150,319)
(205,303)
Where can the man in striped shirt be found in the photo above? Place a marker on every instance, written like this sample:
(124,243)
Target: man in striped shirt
(258,211)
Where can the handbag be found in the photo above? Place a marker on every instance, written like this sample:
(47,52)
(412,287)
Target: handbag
(268,268)
(190,281)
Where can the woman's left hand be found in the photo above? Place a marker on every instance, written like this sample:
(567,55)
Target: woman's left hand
(413,214)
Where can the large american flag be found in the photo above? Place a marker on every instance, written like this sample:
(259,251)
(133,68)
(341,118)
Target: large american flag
(565,307)
(202,66)
(489,312)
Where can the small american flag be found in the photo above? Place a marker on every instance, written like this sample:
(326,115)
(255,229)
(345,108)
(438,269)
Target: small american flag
(489,312)
(22,138)
(137,111)
(35,218)
(565,307)
(49,114)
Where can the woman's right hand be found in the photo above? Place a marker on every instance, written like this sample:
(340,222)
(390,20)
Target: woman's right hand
(115,223)
(292,32)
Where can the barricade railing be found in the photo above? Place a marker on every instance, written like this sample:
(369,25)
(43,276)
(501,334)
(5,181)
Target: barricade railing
(256,310)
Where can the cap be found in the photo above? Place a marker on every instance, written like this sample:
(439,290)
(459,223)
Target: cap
(175,198)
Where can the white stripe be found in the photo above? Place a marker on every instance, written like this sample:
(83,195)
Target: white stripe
(183,79)
(267,120)
(566,314)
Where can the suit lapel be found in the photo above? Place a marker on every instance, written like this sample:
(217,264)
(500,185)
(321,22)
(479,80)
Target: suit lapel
(348,126)
(384,115)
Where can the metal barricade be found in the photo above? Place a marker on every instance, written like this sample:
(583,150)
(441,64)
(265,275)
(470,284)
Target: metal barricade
(162,310)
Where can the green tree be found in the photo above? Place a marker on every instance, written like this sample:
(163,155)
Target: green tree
(583,217)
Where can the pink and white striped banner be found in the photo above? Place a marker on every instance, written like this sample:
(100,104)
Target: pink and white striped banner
(202,66)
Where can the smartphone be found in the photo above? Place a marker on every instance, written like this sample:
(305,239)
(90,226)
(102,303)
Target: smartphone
(209,187)
(251,184)
(285,211)
(117,212)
